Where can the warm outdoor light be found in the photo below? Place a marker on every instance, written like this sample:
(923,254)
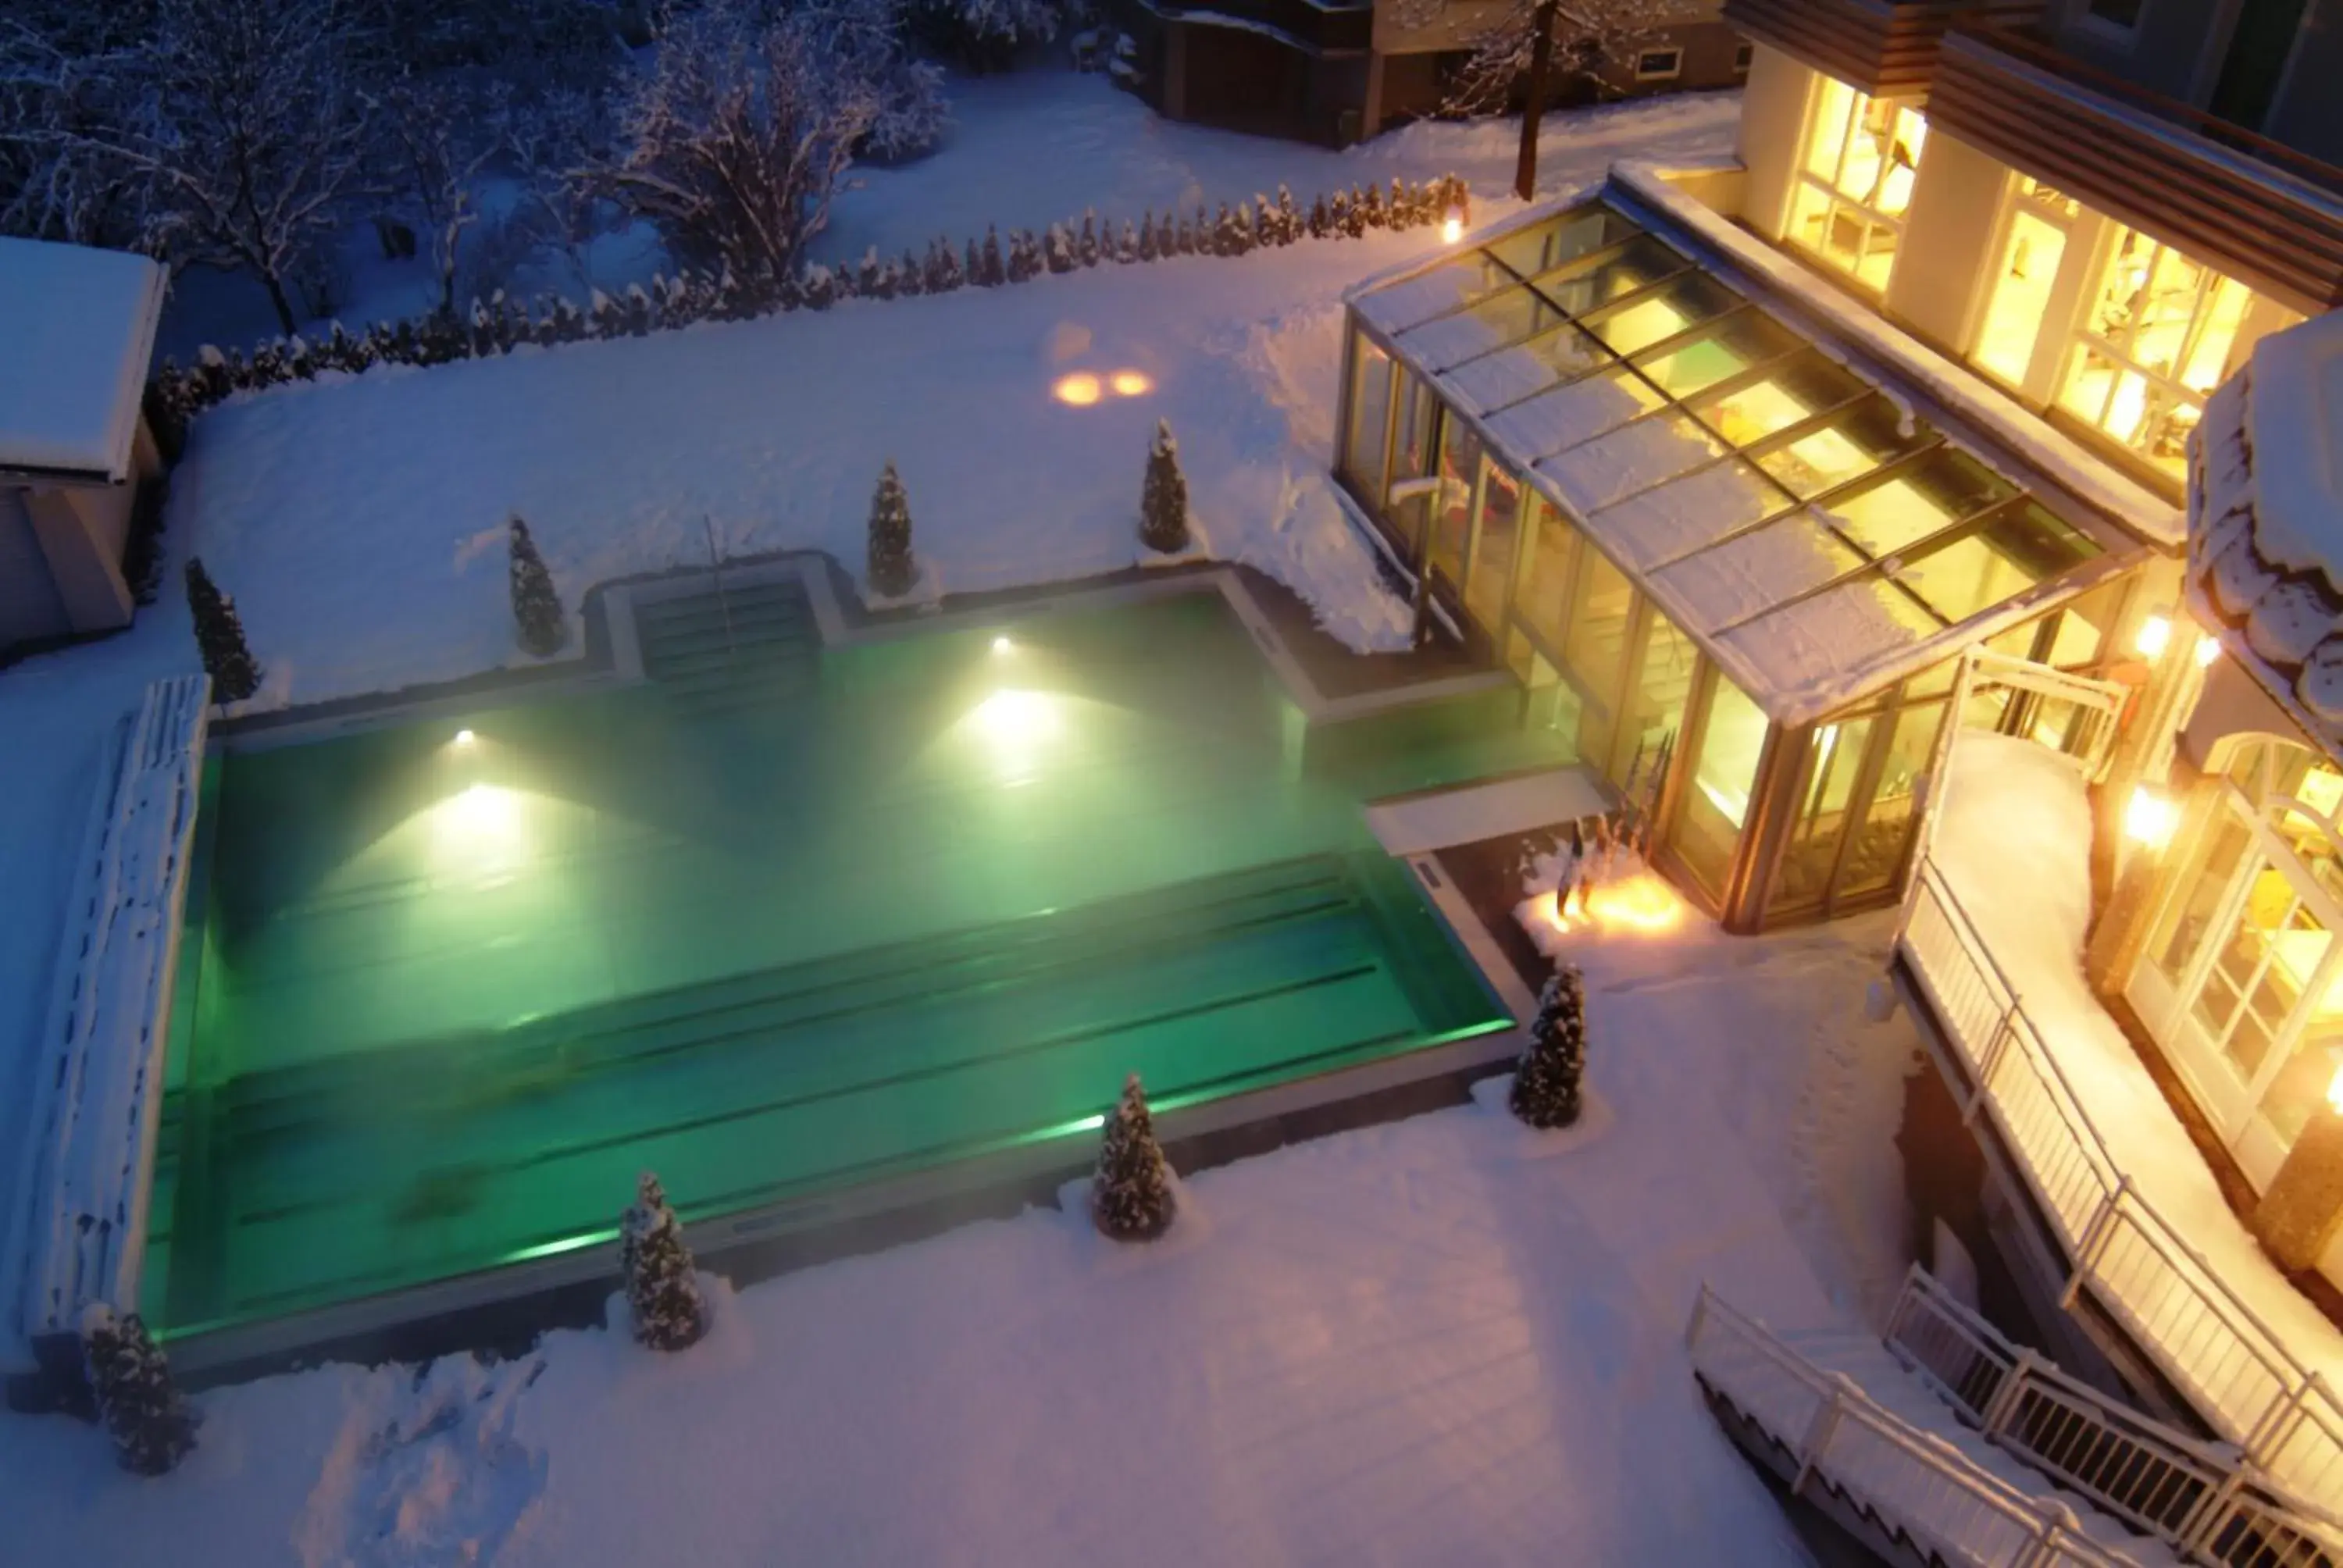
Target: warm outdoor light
(1643,903)
(1002,645)
(2153,635)
(2335,1090)
(464,737)
(2149,818)
(2207,650)
(1080,389)
(1451,227)
(1129,383)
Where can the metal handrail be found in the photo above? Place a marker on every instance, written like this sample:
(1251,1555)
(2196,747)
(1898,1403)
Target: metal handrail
(2214,1346)
(2200,1499)
(2224,134)
(1904,1475)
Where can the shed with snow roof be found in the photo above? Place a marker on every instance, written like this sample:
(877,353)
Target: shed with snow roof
(76,333)
(1736,560)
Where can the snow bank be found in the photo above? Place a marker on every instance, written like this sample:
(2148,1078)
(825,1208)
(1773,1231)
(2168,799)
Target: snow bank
(2013,840)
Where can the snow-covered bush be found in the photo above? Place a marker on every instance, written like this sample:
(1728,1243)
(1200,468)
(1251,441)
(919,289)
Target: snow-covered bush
(153,1428)
(537,608)
(981,35)
(1545,1090)
(891,570)
(662,1293)
(867,38)
(1163,499)
(1131,1193)
(219,637)
(734,141)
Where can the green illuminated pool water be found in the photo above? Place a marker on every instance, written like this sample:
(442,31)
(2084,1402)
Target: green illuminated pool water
(440,1002)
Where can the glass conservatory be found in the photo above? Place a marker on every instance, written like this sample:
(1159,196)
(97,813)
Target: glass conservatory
(1737,571)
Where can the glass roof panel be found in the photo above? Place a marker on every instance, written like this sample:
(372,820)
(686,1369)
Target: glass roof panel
(1546,246)
(1573,413)
(1731,345)
(1594,281)
(1999,558)
(1510,375)
(1685,515)
(1751,574)
(1496,321)
(1830,639)
(1412,301)
(1654,317)
(1610,467)
(1907,504)
(1787,392)
(1846,447)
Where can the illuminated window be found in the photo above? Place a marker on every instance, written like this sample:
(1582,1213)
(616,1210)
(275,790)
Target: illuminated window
(2034,241)
(2160,333)
(1855,181)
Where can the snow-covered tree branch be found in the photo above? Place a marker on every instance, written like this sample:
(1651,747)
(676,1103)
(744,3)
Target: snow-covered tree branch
(1590,37)
(734,143)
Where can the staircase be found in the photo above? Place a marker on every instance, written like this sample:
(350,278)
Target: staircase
(743,645)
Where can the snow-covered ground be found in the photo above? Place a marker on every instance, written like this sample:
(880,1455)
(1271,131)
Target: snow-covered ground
(2012,803)
(1445,1341)
(1024,150)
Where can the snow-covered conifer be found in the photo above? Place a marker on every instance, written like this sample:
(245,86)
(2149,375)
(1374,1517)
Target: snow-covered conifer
(537,608)
(1163,499)
(1546,1084)
(1086,245)
(1057,249)
(662,1293)
(219,637)
(152,1426)
(1133,246)
(1131,1194)
(817,287)
(991,273)
(1321,222)
(1288,222)
(1184,242)
(638,311)
(891,566)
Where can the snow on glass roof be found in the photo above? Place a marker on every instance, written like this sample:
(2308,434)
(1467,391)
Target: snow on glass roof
(1815,537)
(76,330)
(2266,522)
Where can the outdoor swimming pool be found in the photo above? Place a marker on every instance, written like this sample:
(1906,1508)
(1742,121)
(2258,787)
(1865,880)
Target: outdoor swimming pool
(447,986)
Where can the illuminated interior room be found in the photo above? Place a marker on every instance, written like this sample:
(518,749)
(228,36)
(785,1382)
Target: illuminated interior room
(1735,567)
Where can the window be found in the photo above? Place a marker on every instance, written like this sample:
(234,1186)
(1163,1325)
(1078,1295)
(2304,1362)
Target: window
(1742,54)
(1659,65)
(1855,181)
(2160,333)
(1717,806)
(2122,14)
(2036,223)
(1367,442)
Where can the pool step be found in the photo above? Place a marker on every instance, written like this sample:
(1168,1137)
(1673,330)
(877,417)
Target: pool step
(753,644)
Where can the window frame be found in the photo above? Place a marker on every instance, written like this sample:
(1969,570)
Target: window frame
(1832,188)
(2046,360)
(1643,58)
(1744,55)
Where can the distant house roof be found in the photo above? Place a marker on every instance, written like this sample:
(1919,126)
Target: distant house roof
(77,331)
(2266,522)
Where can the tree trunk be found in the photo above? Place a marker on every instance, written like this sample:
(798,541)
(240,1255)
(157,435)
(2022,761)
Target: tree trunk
(283,306)
(1540,66)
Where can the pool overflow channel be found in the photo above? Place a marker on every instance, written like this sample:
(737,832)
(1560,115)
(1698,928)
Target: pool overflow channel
(905,1084)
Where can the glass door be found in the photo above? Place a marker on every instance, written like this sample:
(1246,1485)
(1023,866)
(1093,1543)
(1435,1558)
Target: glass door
(1658,689)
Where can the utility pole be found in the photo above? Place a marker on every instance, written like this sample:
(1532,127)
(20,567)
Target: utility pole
(1541,64)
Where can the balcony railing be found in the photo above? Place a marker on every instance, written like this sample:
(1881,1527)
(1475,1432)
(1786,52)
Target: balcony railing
(2173,1304)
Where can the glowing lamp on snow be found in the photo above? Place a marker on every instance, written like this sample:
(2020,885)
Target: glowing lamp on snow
(1079,390)
(1451,225)
(2153,635)
(2150,817)
(2207,650)
(1129,383)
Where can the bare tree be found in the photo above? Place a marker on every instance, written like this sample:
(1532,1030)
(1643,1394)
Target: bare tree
(55,86)
(436,141)
(243,120)
(1590,38)
(735,140)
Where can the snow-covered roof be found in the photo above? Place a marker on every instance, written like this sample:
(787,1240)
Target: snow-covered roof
(1782,502)
(2266,522)
(77,331)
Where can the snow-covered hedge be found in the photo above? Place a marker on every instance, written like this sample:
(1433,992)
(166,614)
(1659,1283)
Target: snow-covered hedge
(499,325)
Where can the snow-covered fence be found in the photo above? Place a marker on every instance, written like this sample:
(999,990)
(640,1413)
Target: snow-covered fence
(499,325)
(1906,1478)
(2203,1500)
(80,1231)
(2201,1334)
